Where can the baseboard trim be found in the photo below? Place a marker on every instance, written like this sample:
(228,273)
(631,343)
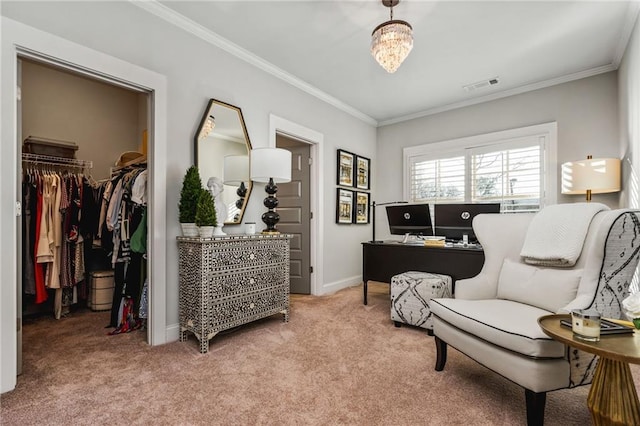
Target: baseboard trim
(173,333)
(339,285)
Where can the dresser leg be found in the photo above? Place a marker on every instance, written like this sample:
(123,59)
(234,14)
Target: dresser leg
(204,346)
(183,335)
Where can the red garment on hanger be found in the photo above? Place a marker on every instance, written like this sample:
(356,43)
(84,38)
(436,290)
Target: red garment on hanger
(41,291)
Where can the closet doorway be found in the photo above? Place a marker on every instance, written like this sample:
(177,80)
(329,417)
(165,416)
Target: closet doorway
(104,127)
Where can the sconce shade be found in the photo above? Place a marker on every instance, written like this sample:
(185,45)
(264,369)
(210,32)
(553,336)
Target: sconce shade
(270,163)
(591,176)
(236,169)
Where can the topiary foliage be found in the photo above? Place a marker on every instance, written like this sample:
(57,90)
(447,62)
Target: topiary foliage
(206,210)
(189,195)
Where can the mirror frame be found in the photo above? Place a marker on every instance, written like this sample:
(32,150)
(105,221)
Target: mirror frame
(249,184)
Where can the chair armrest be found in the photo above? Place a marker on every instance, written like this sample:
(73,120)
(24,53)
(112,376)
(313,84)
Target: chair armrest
(476,288)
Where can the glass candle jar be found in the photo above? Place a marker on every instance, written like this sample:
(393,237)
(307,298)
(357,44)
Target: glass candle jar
(250,228)
(585,324)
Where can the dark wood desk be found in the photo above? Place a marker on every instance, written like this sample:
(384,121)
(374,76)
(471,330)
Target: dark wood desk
(381,261)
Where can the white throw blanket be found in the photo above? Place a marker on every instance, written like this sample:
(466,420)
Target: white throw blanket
(556,234)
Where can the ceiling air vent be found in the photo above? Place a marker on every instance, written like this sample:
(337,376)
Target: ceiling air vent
(481,84)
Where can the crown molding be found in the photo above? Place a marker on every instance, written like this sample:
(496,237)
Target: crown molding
(625,33)
(180,21)
(503,94)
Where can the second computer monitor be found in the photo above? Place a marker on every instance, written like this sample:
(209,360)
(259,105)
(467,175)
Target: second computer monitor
(453,221)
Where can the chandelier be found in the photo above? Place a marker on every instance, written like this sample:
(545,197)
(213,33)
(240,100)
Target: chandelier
(391,41)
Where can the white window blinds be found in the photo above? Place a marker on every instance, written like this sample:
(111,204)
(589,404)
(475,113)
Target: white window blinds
(439,180)
(510,172)
(511,175)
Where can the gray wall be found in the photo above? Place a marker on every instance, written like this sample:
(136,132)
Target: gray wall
(103,120)
(629,89)
(586,112)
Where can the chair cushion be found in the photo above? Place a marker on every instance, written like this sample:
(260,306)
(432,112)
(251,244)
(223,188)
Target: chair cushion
(546,288)
(505,323)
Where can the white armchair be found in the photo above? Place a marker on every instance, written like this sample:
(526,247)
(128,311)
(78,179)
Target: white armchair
(493,317)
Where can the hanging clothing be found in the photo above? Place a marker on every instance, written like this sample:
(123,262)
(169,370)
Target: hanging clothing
(53,248)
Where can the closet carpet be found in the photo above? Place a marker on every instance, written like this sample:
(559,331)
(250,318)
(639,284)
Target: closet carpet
(336,362)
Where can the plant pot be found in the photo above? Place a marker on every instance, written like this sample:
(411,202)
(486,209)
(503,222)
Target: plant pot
(189,230)
(206,231)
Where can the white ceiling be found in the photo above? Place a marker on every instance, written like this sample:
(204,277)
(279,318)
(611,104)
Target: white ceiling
(323,47)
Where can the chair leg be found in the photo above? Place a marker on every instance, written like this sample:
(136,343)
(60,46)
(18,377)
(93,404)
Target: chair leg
(535,407)
(441,353)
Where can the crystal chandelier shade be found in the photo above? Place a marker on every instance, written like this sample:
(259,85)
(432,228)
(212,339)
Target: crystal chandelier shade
(391,41)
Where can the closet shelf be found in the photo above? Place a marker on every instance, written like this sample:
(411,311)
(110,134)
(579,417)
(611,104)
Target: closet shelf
(56,161)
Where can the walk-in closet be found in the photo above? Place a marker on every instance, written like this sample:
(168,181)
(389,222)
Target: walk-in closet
(84,178)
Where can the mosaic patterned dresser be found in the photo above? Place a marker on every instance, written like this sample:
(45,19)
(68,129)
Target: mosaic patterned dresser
(229,281)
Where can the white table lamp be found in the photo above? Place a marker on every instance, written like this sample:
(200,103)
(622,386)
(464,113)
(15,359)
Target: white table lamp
(591,176)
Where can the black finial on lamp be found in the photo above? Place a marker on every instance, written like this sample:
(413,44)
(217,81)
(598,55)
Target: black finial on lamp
(271,166)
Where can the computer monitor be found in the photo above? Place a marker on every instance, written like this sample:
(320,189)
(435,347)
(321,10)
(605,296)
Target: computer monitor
(453,221)
(412,219)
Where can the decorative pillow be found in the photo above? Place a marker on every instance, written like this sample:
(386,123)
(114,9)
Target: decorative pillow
(545,288)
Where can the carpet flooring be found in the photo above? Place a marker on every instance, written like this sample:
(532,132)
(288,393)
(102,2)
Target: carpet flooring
(337,362)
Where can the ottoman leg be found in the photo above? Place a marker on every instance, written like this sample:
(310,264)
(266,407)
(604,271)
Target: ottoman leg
(397,324)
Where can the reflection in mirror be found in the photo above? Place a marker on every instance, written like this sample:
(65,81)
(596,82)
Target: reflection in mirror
(222,148)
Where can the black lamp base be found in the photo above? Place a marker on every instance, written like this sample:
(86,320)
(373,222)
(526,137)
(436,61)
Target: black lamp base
(241,192)
(271,218)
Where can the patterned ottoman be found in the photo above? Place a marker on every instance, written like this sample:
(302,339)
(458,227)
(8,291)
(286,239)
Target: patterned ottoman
(410,294)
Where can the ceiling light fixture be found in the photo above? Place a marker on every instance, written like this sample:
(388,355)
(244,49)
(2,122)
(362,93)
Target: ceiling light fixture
(391,41)
(208,126)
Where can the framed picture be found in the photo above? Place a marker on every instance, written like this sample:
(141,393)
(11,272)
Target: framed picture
(362,207)
(344,206)
(363,165)
(345,168)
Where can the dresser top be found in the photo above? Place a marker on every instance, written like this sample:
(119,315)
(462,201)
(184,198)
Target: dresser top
(235,237)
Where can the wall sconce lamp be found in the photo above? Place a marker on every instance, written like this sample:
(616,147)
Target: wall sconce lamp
(235,173)
(591,176)
(271,166)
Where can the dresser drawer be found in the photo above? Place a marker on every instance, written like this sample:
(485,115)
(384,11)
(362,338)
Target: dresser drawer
(239,282)
(236,311)
(232,254)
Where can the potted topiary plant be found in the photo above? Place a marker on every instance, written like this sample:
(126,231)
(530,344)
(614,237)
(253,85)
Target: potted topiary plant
(189,195)
(206,214)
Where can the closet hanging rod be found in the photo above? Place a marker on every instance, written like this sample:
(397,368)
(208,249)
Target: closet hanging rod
(56,161)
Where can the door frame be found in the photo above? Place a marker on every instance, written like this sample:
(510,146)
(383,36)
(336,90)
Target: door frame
(314,139)
(19,40)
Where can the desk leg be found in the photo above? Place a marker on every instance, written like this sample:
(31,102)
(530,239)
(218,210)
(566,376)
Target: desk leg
(613,399)
(365,292)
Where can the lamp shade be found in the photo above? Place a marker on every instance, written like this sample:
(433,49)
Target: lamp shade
(236,169)
(269,163)
(598,175)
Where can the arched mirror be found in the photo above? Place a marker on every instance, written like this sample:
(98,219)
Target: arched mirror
(222,148)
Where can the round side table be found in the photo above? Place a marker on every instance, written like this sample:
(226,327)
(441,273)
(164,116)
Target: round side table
(613,399)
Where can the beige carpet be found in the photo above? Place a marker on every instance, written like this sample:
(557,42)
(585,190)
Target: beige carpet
(336,362)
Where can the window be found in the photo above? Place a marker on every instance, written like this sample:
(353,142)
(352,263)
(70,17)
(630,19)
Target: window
(515,168)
